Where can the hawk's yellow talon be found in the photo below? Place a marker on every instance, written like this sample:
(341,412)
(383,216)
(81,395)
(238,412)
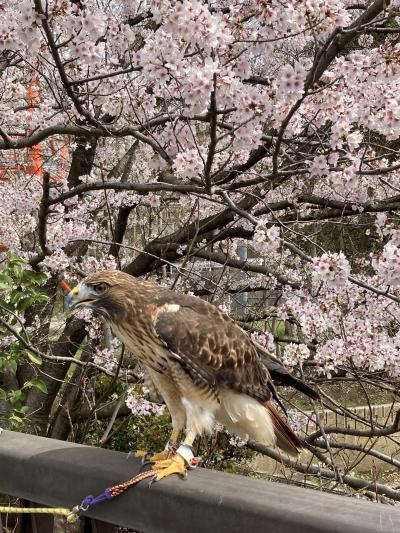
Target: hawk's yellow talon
(150,456)
(140,453)
(174,465)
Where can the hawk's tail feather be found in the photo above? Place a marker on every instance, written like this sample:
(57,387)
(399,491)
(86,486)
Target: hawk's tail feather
(281,376)
(286,439)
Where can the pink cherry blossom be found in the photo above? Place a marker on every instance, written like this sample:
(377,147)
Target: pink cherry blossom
(266,240)
(142,407)
(332,269)
(387,264)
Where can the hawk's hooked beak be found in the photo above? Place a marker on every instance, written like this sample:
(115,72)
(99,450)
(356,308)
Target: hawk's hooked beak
(80,296)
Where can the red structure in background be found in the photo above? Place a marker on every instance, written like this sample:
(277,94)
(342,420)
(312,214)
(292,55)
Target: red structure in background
(30,161)
(35,167)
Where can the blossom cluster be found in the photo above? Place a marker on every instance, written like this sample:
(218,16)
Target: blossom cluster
(332,269)
(298,421)
(266,339)
(142,407)
(266,240)
(387,263)
(292,80)
(350,328)
(295,354)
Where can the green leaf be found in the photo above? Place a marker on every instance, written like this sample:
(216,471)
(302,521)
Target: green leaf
(3,394)
(6,279)
(16,295)
(12,365)
(39,384)
(41,297)
(16,419)
(16,396)
(25,302)
(6,304)
(16,268)
(34,357)
(32,277)
(4,286)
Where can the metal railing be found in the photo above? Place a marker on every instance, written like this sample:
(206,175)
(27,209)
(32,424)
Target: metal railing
(60,474)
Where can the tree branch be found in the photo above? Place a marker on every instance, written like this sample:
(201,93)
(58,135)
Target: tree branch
(224,259)
(315,470)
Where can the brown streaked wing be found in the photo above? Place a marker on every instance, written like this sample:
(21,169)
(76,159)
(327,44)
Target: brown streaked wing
(213,349)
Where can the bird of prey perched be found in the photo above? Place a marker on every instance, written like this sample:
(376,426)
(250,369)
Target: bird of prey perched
(204,365)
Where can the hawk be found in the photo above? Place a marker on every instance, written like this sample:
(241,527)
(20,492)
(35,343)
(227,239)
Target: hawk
(206,368)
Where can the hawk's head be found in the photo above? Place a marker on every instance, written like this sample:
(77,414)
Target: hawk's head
(106,292)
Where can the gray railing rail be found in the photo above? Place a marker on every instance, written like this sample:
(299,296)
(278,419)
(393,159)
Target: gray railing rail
(57,473)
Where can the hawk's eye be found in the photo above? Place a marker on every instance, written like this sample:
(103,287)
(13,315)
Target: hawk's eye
(100,288)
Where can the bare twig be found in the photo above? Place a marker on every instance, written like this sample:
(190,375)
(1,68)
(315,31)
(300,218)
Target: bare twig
(315,470)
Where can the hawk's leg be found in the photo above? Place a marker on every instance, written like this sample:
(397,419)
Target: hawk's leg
(172,397)
(179,463)
(167,453)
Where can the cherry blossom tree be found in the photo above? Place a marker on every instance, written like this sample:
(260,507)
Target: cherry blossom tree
(224,148)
